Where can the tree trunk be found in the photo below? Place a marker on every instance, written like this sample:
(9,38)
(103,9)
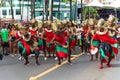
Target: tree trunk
(46,8)
(81,10)
(43,18)
(59,10)
(70,10)
(32,9)
(75,11)
(28,11)
(20,10)
(51,10)
(12,13)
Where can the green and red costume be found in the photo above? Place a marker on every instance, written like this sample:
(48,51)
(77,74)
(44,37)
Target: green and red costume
(41,43)
(72,41)
(22,45)
(61,51)
(108,46)
(49,37)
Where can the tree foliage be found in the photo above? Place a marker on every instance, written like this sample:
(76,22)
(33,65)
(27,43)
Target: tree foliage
(90,12)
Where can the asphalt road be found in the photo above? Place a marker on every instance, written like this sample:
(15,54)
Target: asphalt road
(81,69)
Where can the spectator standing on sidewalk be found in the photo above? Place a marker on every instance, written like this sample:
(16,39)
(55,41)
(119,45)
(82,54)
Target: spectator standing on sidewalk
(4,37)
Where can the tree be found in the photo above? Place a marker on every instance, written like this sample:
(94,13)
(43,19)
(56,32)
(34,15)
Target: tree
(75,10)
(70,10)
(46,8)
(0,4)
(59,10)
(32,9)
(20,9)
(51,10)
(89,12)
(11,6)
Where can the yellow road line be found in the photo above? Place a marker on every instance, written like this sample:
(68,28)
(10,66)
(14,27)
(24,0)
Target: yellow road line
(53,68)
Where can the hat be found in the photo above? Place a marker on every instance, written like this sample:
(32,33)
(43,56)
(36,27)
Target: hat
(91,21)
(26,35)
(112,19)
(54,27)
(40,24)
(101,23)
(85,22)
(33,20)
(49,23)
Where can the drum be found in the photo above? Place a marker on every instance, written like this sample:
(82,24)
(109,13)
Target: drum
(93,50)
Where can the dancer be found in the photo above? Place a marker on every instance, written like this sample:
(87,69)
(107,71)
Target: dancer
(106,44)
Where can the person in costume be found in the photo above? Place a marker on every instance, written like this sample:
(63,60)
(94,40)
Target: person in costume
(84,38)
(33,43)
(61,45)
(33,28)
(41,41)
(22,37)
(48,35)
(106,46)
(78,32)
(112,28)
(72,38)
(12,35)
(91,31)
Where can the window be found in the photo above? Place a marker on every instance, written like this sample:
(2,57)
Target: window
(4,12)
(18,12)
(9,12)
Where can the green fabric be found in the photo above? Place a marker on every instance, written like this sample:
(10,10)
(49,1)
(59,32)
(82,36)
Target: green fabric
(40,42)
(95,43)
(80,42)
(113,53)
(73,37)
(48,45)
(102,53)
(4,35)
(116,45)
(61,49)
(20,45)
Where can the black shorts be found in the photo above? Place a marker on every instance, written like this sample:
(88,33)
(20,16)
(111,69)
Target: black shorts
(5,44)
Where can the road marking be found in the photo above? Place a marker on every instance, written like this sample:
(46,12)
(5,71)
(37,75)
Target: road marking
(53,68)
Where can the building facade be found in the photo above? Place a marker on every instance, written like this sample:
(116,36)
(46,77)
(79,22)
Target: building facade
(5,10)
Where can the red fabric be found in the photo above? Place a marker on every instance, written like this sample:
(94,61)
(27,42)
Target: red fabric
(17,36)
(49,35)
(32,32)
(27,47)
(36,48)
(104,38)
(104,61)
(85,29)
(61,39)
(62,54)
(65,33)
(51,48)
(73,43)
(115,50)
(108,54)
(41,47)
